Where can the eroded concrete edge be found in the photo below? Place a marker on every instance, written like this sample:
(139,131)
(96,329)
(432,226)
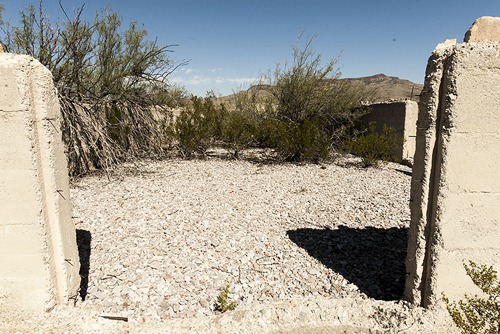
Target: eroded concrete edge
(455,191)
(421,174)
(54,181)
(37,124)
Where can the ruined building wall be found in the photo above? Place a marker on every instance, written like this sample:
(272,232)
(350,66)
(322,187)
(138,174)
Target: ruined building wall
(455,190)
(39,264)
(400,115)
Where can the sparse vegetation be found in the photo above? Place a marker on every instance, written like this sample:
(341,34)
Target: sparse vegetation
(223,303)
(315,110)
(373,146)
(199,125)
(116,102)
(474,314)
(305,113)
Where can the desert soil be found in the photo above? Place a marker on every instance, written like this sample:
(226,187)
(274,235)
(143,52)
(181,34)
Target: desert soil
(159,240)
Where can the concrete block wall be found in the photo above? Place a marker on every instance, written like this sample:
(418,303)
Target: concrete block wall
(455,190)
(400,115)
(39,264)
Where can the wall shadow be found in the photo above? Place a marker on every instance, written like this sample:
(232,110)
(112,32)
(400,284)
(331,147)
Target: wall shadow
(83,240)
(371,258)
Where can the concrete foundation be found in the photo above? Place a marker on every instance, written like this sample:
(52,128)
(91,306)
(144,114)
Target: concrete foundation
(455,191)
(39,265)
(400,115)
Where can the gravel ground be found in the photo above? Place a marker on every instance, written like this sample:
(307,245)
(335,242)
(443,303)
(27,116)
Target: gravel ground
(160,240)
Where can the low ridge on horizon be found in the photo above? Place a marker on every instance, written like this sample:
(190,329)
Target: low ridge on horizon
(386,87)
(390,87)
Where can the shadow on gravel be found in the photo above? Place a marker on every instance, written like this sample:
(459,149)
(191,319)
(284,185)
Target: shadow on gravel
(404,172)
(83,240)
(371,258)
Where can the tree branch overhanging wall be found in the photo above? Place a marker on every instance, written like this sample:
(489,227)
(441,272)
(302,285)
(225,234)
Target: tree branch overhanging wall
(111,82)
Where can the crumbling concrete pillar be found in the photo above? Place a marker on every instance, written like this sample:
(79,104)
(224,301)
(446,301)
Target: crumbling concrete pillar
(39,264)
(455,190)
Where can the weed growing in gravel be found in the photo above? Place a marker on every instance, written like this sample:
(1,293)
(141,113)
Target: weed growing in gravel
(474,314)
(223,302)
(389,319)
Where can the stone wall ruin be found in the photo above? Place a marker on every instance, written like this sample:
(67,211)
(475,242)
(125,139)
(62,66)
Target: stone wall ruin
(455,190)
(400,115)
(39,264)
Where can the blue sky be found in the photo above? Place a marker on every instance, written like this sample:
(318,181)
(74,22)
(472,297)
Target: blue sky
(230,43)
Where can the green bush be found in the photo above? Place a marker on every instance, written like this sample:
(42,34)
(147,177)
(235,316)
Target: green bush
(239,131)
(301,111)
(302,141)
(373,146)
(474,314)
(271,132)
(318,109)
(199,125)
(254,123)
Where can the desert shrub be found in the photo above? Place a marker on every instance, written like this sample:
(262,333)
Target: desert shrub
(173,96)
(475,314)
(239,131)
(189,132)
(109,80)
(244,126)
(271,132)
(199,125)
(302,141)
(317,107)
(373,146)
(205,122)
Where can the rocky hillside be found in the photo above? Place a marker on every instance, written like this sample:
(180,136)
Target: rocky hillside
(384,88)
(388,88)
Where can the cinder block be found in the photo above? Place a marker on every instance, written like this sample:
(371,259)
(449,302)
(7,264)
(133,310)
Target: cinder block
(18,198)
(400,115)
(460,216)
(21,240)
(11,290)
(27,267)
(450,276)
(471,163)
(11,98)
(16,146)
(478,90)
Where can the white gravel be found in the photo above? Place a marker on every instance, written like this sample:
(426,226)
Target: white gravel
(160,240)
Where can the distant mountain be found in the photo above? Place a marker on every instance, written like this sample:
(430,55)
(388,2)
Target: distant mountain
(384,87)
(389,88)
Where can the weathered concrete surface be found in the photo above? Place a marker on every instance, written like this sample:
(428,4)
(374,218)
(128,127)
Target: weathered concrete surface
(455,191)
(486,28)
(39,265)
(400,115)
(308,315)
